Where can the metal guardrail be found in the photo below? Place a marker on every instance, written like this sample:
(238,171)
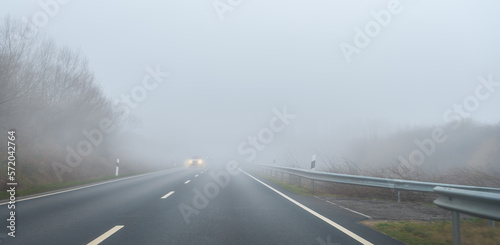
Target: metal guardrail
(473,200)
(476,203)
(397,184)
(480,204)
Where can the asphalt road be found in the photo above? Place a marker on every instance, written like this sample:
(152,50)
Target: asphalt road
(186,206)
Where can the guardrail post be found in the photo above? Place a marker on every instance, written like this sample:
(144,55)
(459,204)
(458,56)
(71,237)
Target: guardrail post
(399,197)
(289,179)
(312,186)
(456,228)
(300,178)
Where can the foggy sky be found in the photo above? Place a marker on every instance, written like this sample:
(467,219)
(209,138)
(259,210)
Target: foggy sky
(227,76)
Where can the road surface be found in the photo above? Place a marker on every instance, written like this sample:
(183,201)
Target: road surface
(185,206)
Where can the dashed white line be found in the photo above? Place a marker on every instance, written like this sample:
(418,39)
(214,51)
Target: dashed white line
(348,209)
(187,181)
(356,212)
(167,195)
(196,176)
(335,225)
(105,235)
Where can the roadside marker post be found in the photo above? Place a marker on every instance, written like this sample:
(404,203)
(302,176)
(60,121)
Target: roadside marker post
(117,167)
(313,165)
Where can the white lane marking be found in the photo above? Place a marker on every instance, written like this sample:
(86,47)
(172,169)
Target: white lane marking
(196,176)
(105,235)
(348,209)
(356,212)
(335,225)
(187,181)
(167,195)
(82,187)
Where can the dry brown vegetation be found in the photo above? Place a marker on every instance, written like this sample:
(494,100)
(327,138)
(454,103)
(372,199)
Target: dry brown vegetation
(470,156)
(462,176)
(49,96)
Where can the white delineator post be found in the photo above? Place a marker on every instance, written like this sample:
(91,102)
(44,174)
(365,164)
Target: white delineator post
(117,167)
(313,166)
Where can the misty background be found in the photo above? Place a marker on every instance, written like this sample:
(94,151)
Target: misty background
(226,77)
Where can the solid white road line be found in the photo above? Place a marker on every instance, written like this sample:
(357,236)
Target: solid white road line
(81,187)
(105,235)
(167,195)
(187,181)
(335,225)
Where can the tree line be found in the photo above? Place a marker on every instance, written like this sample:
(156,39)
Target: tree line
(49,95)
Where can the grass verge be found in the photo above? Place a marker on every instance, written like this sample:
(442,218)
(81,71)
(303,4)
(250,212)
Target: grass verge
(474,231)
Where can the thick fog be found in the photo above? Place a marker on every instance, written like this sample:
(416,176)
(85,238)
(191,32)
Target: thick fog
(302,77)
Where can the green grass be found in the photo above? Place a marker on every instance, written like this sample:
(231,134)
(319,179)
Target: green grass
(59,185)
(474,231)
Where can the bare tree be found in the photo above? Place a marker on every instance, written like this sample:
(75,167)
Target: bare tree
(50,95)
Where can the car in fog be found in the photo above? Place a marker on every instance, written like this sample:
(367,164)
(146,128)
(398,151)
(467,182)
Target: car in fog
(195,162)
